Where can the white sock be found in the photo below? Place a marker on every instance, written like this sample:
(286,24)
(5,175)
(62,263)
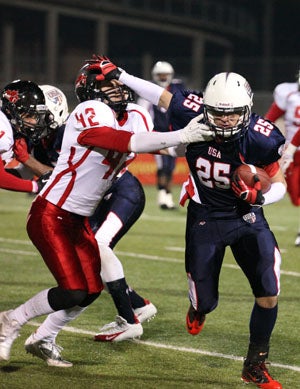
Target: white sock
(54,322)
(38,305)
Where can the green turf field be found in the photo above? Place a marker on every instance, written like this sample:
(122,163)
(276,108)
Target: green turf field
(166,355)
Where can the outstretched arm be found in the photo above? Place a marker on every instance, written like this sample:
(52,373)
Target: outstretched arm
(10,182)
(146,89)
(123,141)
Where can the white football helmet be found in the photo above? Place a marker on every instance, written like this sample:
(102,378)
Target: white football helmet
(56,102)
(227,93)
(162,73)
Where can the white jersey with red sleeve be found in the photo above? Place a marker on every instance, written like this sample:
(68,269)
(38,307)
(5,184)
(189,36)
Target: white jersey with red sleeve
(287,98)
(84,173)
(6,136)
(136,119)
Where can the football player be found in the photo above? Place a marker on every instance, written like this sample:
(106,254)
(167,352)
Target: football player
(163,75)
(23,113)
(95,149)
(116,213)
(223,213)
(286,104)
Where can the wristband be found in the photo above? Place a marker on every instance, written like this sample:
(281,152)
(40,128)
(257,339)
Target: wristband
(35,187)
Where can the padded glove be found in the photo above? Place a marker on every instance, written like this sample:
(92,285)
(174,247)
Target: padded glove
(196,132)
(253,196)
(42,181)
(20,150)
(287,157)
(109,70)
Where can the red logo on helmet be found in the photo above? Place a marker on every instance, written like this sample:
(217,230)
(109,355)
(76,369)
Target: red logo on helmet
(12,96)
(81,80)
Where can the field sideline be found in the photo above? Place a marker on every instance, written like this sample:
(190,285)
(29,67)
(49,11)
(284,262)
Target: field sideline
(165,356)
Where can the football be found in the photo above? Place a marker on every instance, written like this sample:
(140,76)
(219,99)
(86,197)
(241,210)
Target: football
(247,172)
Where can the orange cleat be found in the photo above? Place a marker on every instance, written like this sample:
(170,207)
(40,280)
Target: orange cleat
(259,375)
(194,321)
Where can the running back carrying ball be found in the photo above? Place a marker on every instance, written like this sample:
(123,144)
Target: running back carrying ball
(247,173)
(249,183)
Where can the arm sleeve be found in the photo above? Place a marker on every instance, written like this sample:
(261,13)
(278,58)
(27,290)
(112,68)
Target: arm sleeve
(146,89)
(106,138)
(296,139)
(272,168)
(274,113)
(124,141)
(11,182)
(275,193)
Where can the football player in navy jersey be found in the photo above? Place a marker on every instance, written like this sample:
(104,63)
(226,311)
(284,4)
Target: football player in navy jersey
(163,75)
(223,212)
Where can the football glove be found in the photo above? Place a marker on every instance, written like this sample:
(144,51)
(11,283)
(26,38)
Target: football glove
(109,70)
(195,131)
(42,180)
(287,157)
(253,196)
(20,150)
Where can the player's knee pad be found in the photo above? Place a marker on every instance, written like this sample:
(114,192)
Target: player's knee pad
(89,299)
(60,298)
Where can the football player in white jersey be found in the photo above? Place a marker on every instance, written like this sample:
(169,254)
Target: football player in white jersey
(94,150)
(286,104)
(121,206)
(23,112)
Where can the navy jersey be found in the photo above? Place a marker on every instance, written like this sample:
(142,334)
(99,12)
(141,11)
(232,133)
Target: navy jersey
(184,106)
(161,119)
(212,164)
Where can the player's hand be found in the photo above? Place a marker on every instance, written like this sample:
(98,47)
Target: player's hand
(20,150)
(42,181)
(253,196)
(195,131)
(109,70)
(287,159)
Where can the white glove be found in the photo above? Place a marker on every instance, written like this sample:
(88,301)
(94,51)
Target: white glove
(287,157)
(196,132)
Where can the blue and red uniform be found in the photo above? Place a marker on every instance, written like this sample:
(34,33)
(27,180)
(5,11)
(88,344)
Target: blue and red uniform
(216,218)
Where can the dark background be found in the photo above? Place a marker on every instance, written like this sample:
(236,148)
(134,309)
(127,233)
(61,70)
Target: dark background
(266,56)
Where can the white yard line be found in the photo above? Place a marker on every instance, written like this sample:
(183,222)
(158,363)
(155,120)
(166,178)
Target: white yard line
(176,348)
(126,254)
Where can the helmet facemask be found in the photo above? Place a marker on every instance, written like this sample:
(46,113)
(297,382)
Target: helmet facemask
(227,104)
(23,102)
(113,93)
(23,124)
(227,133)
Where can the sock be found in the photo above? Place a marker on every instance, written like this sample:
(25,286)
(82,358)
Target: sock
(262,322)
(54,322)
(257,353)
(119,293)
(38,305)
(136,300)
